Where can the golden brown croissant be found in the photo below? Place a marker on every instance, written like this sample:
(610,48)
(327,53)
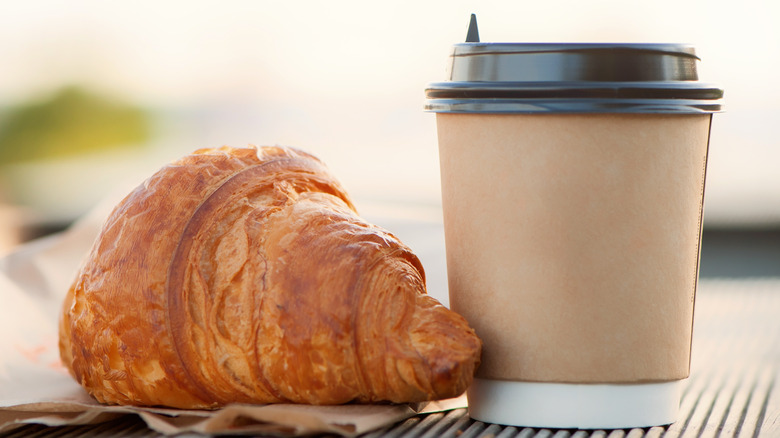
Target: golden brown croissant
(245,275)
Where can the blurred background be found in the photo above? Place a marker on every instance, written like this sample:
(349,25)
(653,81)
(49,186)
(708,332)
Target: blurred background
(94,96)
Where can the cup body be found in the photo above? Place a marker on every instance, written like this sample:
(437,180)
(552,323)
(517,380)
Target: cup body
(573,247)
(573,183)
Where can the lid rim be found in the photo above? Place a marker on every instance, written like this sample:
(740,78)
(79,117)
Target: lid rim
(487,48)
(558,84)
(601,90)
(571,106)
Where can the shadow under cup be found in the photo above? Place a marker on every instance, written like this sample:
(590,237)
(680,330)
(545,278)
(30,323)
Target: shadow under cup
(572,189)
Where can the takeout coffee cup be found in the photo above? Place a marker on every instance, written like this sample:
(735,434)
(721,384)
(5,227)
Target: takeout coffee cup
(572,191)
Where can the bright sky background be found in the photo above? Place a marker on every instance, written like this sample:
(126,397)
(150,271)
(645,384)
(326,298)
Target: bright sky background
(345,79)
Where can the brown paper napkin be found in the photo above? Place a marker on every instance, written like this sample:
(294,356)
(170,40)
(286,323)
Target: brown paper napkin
(281,420)
(36,388)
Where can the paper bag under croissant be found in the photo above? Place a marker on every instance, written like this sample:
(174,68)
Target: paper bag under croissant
(573,241)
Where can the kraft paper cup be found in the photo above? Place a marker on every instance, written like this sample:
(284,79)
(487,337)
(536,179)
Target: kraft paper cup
(573,182)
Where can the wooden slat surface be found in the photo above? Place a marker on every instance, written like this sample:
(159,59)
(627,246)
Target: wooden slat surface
(733,391)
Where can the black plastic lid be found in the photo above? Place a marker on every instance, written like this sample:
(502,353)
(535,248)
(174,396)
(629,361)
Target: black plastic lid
(573,78)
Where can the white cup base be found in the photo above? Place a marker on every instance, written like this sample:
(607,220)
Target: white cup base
(574,406)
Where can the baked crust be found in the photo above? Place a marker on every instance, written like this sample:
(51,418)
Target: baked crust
(246,275)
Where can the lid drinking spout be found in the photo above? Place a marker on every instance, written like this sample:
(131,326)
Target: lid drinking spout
(472,36)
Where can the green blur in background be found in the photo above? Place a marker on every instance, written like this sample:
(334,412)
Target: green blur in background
(70,122)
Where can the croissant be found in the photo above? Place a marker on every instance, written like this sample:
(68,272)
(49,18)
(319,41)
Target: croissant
(245,275)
